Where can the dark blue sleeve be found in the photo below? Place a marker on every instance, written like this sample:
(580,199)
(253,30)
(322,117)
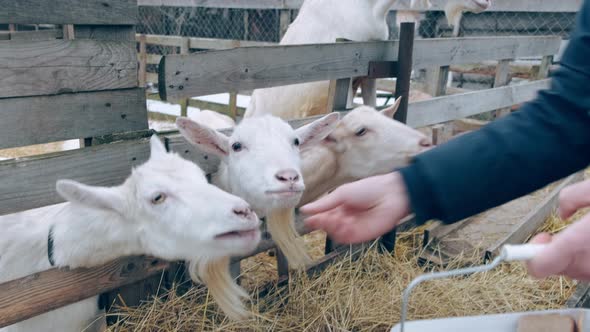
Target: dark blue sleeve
(547,139)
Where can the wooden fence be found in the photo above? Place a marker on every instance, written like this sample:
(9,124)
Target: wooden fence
(114,111)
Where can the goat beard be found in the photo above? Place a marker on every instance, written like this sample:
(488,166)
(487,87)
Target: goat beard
(281,225)
(216,276)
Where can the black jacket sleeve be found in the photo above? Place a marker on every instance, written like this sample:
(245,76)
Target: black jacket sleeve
(547,139)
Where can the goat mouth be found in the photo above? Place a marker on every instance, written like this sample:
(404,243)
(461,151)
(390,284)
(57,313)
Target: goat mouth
(285,192)
(237,234)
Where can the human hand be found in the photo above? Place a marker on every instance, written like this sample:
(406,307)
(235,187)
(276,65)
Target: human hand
(360,211)
(567,253)
(574,197)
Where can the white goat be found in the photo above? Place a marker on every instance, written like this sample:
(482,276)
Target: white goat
(165,209)
(260,162)
(366,142)
(323,21)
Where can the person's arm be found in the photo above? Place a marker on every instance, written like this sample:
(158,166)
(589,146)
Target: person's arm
(545,140)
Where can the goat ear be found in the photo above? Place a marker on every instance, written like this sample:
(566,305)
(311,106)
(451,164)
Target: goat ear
(316,131)
(390,111)
(157,148)
(205,138)
(96,197)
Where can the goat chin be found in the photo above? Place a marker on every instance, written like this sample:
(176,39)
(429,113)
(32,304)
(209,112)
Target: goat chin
(281,225)
(216,276)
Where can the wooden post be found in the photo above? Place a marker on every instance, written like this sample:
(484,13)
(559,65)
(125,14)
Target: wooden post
(142,61)
(282,263)
(68,32)
(544,68)
(436,81)
(235,270)
(502,78)
(184,49)
(233,105)
(284,21)
(246,24)
(12,27)
(402,89)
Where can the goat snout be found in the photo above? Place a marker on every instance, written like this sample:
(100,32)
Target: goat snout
(287,175)
(243,211)
(425,142)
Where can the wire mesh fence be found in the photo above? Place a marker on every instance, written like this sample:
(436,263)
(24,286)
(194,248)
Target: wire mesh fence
(264,24)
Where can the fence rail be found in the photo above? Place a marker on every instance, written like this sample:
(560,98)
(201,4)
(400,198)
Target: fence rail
(241,69)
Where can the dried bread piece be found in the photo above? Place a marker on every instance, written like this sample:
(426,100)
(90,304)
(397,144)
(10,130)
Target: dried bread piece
(546,323)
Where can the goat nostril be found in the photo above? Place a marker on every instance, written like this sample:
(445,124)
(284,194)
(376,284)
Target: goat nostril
(425,142)
(288,175)
(242,212)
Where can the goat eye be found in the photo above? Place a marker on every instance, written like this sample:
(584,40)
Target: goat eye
(296,142)
(361,132)
(159,199)
(237,146)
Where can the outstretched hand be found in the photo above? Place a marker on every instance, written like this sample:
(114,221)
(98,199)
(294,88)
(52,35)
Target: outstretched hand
(567,253)
(360,211)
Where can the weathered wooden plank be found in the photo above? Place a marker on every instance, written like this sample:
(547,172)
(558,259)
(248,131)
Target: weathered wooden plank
(581,296)
(42,292)
(107,12)
(30,183)
(449,51)
(260,67)
(36,120)
(220,44)
(502,78)
(105,32)
(535,218)
(443,109)
(499,5)
(142,57)
(162,40)
(36,35)
(58,66)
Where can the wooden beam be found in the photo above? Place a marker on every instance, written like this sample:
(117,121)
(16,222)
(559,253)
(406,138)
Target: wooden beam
(105,32)
(545,66)
(107,12)
(143,61)
(448,108)
(29,183)
(535,218)
(402,89)
(58,66)
(42,292)
(36,35)
(221,44)
(499,5)
(284,22)
(36,120)
(502,78)
(261,67)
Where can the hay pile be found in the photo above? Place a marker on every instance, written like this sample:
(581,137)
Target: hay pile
(360,296)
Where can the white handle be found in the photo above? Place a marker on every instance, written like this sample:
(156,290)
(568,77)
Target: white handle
(521,252)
